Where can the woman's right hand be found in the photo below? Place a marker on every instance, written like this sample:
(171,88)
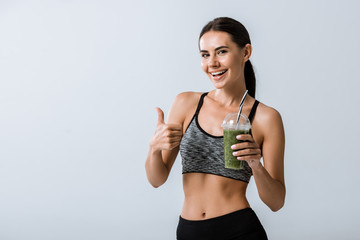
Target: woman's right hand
(167,136)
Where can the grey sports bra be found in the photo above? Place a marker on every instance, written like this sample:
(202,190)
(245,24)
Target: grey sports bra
(204,153)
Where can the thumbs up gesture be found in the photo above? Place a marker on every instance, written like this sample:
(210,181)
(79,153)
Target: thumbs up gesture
(167,136)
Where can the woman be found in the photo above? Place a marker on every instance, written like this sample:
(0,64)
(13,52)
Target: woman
(215,205)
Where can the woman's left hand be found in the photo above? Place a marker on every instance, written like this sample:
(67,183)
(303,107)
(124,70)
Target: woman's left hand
(249,150)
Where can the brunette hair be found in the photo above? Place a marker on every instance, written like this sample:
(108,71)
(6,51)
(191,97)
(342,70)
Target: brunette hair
(241,37)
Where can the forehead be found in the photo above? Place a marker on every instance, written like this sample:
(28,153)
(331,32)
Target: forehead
(214,39)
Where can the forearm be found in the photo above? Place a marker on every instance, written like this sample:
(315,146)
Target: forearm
(271,191)
(156,171)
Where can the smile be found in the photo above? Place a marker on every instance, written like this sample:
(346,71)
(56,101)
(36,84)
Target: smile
(215,74)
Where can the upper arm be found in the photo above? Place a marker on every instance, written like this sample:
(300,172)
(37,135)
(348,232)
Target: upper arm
(273,146)
(177,114)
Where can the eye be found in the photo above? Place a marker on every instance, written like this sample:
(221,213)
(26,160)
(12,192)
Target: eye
(222,52)
(204,55)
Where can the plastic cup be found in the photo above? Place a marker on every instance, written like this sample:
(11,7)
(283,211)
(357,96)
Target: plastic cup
(230,132)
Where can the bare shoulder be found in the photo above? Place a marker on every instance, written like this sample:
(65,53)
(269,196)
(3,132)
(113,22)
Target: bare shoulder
(269,120)
(188,98)
(267,114)
(183,104)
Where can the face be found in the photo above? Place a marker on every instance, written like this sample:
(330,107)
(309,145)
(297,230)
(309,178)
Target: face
(221,58)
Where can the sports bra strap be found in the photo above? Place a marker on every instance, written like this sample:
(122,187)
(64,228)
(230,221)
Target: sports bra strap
(253,110)
(200,102)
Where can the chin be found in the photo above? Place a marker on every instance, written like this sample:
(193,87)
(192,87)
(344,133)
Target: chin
(218,85)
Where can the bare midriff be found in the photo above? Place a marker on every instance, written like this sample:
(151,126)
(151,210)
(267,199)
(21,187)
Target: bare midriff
(208,196)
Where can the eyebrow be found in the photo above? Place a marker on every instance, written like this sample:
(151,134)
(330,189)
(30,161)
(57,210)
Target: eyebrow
(215,49)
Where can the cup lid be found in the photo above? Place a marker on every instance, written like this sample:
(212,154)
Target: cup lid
(230,122)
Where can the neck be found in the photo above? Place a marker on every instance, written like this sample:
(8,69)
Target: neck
(231,96)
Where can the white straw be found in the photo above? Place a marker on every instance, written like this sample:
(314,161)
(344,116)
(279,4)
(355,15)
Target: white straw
(240,108)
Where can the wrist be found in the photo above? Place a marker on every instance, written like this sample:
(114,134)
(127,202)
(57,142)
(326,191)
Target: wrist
(257,167)
(154,150)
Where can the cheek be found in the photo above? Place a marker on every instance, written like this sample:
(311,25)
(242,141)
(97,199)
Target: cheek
(204,66)
(227,61)
(234,63)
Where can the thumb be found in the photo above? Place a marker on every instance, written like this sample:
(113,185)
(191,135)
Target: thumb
(160,116)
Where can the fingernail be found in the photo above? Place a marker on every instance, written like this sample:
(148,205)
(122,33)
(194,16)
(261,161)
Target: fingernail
(239,158)
(233,147)
(238,136)
(234,153)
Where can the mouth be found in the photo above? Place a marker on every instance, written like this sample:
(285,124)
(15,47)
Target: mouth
(218,75)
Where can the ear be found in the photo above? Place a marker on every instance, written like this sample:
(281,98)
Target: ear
(247,51)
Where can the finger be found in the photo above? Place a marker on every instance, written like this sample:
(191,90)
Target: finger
(249,151)
(171,146)
(175,140)
(174,137)
(176,134)
(169,131)
(256,157)
(175,126)
(245,137)
(244,145)
(171,134)
(160,116)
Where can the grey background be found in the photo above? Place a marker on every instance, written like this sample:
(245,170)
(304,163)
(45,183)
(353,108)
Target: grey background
(79,83)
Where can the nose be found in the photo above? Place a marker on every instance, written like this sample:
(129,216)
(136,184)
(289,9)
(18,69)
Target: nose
(213,62)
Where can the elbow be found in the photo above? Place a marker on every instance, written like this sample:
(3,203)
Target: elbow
(155,185)
(280,202)
(155,179)
(277,206)
(156,182)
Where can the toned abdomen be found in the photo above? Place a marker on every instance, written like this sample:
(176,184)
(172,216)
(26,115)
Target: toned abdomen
(208,196)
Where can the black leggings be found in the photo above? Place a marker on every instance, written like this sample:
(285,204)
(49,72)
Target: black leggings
(239,225)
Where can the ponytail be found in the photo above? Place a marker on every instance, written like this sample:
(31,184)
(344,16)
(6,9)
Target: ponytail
(250,80)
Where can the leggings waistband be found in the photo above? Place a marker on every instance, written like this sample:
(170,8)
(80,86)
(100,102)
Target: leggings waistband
(242,224)
(220,218)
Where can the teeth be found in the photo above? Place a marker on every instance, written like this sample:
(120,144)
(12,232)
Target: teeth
(218,73)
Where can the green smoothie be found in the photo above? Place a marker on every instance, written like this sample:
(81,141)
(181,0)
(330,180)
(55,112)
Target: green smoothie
(229,140)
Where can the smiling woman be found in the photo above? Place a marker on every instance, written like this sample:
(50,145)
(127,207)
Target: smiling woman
(215,205)
(236,41)
(220,57)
